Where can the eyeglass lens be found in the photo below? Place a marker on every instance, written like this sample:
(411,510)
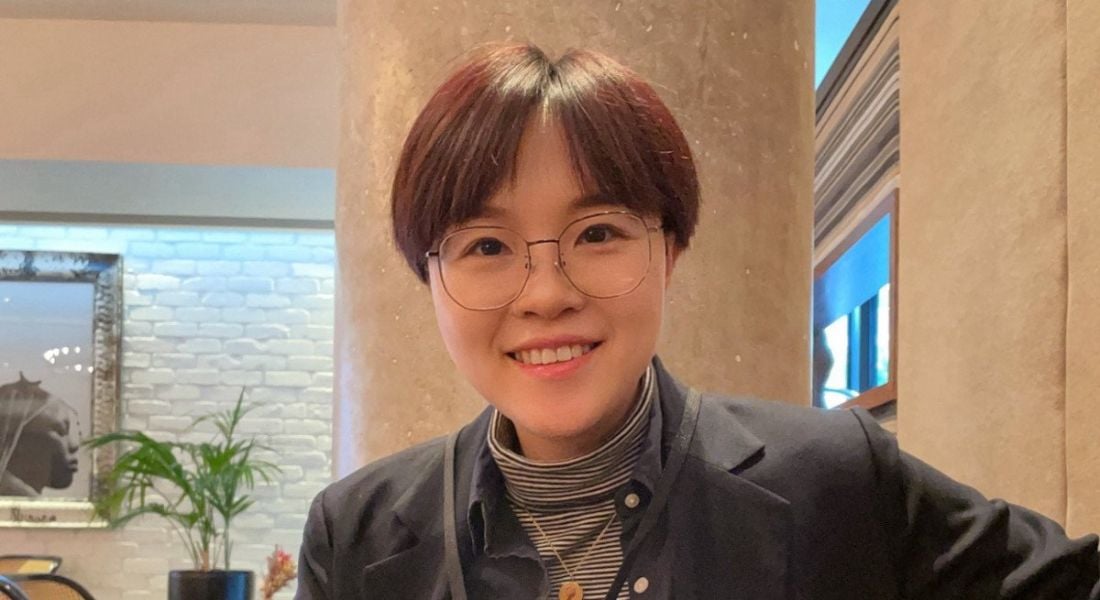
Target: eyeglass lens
(603,256)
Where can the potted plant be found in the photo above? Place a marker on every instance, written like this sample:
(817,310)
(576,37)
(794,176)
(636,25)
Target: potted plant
(198,488)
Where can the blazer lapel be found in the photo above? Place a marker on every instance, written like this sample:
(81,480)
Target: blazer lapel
(731,536)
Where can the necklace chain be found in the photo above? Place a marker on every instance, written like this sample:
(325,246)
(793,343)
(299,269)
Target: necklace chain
(580,563)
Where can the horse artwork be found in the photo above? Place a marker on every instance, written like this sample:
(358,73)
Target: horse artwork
(59,314)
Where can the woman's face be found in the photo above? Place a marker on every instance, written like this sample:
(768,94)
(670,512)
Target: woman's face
(46,453)
(567,408)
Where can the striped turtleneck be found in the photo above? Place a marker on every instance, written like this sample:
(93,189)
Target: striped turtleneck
(565,506)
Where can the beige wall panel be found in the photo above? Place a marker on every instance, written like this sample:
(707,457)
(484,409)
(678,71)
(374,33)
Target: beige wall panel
(739,76)
(1083,330)
(179,93)
(982,275)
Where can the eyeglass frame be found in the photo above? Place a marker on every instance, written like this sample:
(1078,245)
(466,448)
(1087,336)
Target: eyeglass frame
(559,262)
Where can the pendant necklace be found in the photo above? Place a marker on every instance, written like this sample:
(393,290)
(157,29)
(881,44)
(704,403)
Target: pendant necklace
(570,590)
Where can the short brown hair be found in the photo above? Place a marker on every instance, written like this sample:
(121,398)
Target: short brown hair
(622,138)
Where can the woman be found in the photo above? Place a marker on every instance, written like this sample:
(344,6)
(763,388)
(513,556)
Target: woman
(546,203)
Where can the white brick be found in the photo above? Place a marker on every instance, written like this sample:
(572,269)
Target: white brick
(150,313)
(313,332)
(244,346)
(295,411)
(151,250)
(209,283)
(145,344)
(132,233)
(317,270)
(316,239)
(317,395)
(297,442)
(200,346)
(251,284)
(195,409)
(136,360)
(322,380)
(147,407)
(198,250)
(295,522)
(310,363)
(173,360)
(263,361)
(132,298)
(42,231)
(243,252)
(218,361)
(265,268)
(244,315)
(288,316)
(177,298)
(253,519)
(223,299)
(324,255)
(247,378)
(322,301)
(88,233)
(297,285)
(132,390)
(179,392)
(170,423)
(321,317)
(198,314)
(321,411)
(328,286)
(17,243)
(291,347)
(153,376)
(289,253)
(270,237)
(299,490)
(224,236)
(263,331)
(218,267)
(137,328)
(174,267)
(172,234)
(324,348)
(266,301)
(287,378)
(173,329)
(252,426)
(221,330)
(153,281)
(198,376)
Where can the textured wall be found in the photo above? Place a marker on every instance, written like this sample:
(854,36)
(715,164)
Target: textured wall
(1083,320)
(176,93)
(999,250)
(738,74)
(205,313)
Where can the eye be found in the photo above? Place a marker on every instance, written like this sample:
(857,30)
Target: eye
(597,234)
(487,247)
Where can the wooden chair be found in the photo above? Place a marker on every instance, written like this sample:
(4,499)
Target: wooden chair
(12,564)
(49,586)
(10,591)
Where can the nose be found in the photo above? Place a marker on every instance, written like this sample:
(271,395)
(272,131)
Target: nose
(548,292)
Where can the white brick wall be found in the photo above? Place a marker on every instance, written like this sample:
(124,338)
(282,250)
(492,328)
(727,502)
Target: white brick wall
(207,311)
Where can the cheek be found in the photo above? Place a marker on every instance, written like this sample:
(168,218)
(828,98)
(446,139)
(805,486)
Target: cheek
(465,333)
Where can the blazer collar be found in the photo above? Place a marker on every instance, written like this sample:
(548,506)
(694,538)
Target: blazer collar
(720,437)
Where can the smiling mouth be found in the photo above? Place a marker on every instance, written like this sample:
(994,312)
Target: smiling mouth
(549,356)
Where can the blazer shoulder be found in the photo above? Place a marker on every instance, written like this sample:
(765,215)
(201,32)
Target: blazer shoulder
(382,483)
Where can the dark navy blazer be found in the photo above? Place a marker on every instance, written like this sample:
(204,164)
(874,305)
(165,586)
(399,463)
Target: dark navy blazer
(773,502)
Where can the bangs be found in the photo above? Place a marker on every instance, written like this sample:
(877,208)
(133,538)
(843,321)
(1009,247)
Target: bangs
(623,142)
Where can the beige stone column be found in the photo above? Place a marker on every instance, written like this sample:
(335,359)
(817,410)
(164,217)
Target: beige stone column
(999,283)
(1083,318)
(738,74)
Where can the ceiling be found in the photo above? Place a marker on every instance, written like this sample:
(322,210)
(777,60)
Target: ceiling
(269,12)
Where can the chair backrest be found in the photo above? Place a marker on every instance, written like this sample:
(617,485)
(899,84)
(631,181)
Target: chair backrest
(28,563)
(49,586)
(10,591)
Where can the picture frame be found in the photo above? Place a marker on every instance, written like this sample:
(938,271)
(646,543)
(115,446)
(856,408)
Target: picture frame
(61,318)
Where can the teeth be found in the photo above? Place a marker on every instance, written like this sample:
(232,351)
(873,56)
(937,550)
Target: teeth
(546,356)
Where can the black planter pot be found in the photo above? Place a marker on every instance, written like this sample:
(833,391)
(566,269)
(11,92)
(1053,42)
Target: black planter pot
(210,585)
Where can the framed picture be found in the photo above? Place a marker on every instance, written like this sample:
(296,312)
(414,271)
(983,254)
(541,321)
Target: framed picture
(60,329)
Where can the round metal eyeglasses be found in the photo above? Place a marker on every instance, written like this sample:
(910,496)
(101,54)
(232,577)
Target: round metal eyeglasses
(602,255)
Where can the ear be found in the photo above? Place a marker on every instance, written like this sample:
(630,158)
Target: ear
(672,254)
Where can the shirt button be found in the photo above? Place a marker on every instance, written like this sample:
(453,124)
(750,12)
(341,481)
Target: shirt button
(632,500)
(641,584)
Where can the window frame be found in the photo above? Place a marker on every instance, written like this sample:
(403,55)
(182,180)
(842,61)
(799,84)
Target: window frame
(888,204)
